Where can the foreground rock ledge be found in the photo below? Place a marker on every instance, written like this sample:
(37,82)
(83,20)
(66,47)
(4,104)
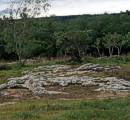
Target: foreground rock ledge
(38,79)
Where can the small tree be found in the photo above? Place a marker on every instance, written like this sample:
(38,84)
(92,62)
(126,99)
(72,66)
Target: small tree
(98,45)
(119,41)
(109,43)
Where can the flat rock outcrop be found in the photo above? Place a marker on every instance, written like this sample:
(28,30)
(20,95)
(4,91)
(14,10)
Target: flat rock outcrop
(98,68)
(65,75)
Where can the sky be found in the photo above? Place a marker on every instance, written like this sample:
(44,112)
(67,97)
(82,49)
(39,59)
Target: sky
(3,4)
(74,7)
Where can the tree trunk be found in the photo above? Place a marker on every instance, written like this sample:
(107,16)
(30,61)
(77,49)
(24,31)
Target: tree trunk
(76,56)
(119,50)
(15,43)
(110,51)
(79,52)
(65,54)
(99,53)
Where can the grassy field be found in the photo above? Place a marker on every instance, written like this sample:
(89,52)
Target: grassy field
(116,109)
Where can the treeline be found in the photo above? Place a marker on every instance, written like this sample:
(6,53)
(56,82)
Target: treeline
(75,36)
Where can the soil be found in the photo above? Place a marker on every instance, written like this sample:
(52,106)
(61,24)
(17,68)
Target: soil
(14,95)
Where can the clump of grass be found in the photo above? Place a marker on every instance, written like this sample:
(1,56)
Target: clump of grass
(3,81)
(26,116)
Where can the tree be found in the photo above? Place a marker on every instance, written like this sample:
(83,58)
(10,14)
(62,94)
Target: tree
(60,43)
(73,43)
(28,8)
(19,38)
(119,41)
(115,40)
(44,35)
(127,41)
(2,42)
(109,43)
(98,45)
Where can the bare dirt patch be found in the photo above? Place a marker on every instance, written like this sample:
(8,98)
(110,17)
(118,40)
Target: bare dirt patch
(71,92)
(79,92)
(11,95)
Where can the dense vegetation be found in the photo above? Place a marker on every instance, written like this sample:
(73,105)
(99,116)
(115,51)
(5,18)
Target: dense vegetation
(75,36)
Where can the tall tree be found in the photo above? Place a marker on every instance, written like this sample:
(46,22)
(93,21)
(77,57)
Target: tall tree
(23,10)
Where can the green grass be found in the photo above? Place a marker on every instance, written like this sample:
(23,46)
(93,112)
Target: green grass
(117,109)
(13,72)
(115,60)
(16,71)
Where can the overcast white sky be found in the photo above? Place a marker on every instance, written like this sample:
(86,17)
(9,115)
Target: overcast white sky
(73,7)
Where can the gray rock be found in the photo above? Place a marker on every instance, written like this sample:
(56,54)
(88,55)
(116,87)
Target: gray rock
(3,86)
(39,91)
(98,68)
(39,78)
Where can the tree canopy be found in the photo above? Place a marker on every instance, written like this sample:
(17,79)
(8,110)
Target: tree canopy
(75,36)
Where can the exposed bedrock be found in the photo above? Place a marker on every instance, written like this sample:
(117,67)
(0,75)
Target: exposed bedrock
(64,75)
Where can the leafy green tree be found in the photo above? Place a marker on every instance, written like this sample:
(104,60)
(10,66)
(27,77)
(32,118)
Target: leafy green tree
(119,42)
(109,43)
(73,43)
(24,40)
(127,41)
(19,30)
(44,35)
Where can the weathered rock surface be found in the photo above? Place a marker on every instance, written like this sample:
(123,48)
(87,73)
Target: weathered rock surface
(98,68)
(37,79)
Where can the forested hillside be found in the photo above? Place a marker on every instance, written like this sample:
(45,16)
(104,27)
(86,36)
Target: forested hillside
(75,36)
